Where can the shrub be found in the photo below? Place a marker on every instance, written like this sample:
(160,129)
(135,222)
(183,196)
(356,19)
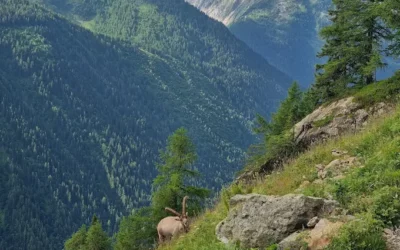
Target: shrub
(386,205)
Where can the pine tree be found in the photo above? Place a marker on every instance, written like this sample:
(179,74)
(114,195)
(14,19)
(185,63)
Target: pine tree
(175,172)
(289,112)
(277,134)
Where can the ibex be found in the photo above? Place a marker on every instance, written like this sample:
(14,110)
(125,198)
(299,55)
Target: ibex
(173,225)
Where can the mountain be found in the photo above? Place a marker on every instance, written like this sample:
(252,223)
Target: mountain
(178,30)
(356,168)
(83,115)
(285,32)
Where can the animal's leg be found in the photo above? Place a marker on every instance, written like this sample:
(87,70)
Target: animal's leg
(160,238)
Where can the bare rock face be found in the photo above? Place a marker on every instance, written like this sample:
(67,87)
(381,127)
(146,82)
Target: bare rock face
(335,119)
(392,238)
(292,242)
(259,221)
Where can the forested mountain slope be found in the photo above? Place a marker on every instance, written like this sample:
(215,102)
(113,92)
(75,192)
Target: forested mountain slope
(83,116)
(177,29)
(285,32)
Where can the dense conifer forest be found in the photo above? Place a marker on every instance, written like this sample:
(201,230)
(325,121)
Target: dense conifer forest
(85,109)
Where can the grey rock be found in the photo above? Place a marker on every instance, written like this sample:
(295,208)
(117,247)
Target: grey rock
(292,242)
(259,221)
(341,117)
(313,222)
(392,237)
(361,117)
(338,152)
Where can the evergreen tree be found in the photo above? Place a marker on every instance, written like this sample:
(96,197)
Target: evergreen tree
(277,134)
(389,11)
(77,241)
(353,47)
(175,172)
(96,238)
(289,112)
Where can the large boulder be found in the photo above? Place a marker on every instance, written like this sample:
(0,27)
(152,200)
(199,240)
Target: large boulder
(259,221)
(332,120)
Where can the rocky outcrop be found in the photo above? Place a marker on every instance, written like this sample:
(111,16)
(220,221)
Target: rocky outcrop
(338,118)
(224,11)
(335,119)
(259,220)
(392,238)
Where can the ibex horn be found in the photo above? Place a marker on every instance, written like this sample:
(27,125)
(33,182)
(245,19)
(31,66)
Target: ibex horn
(172,211)
(184,205)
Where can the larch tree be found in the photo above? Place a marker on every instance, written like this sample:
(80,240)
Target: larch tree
(175,173)
(96,238)
(77,240)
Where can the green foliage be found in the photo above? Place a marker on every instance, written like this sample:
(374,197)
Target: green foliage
(354,47)
(175,171)
(278,138)
(137,231)
(364,233)
(386,205)
(383,91)
(96,238)
(92,239)
(387,10)
(374,188)
(272,247)
(77,240)
(323,122)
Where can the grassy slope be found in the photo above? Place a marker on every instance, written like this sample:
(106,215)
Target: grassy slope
(360,192)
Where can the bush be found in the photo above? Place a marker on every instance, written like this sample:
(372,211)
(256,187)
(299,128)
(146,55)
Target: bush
(386,205)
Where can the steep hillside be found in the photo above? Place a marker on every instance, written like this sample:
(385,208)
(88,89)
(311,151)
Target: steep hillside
(358,170)
(283,32)
(178,30)
(83,117)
